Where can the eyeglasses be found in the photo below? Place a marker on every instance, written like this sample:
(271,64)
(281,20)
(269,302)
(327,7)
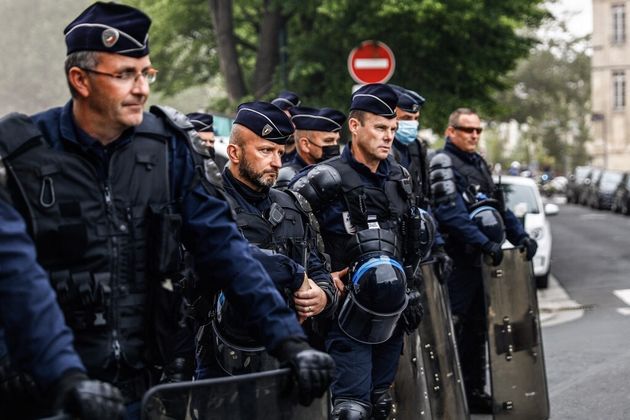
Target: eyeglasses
(468,130)
(128,76)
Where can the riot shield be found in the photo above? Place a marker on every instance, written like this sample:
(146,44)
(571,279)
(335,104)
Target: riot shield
(411,400)
(439,350)
(517,365)
(256,396)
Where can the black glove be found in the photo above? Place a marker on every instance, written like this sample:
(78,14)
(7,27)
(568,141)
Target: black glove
(88,399)
(444,264)
(494,251)
(413,313)
(179,370)
(312,369)
(18,391)
(530,245)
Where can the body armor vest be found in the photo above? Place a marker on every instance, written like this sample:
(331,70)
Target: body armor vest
(91,236)
(280,229)
(418,169)
(479,177)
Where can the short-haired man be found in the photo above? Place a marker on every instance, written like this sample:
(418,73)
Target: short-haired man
(459,163)
(112,193)
(317,134)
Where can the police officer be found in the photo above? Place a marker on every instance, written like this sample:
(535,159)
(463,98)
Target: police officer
(411,153)
(203,124)
(279,222)
(38,340)
(110,193)
(317,133)
(287,100)
(461,182)
(361,199)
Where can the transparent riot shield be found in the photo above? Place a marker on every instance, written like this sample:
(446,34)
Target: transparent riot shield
(257,396)
(517,365)
(439,350)
(411,400)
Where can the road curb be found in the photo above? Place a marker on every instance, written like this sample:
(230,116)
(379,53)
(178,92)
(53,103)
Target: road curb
(555,306)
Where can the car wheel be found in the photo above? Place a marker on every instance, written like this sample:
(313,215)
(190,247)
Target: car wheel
(542,282)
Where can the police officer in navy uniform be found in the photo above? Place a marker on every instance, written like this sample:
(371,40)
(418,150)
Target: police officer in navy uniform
(411,153)
(461,181)
(362,199)
(45,370)
(275,221)
(203,124)
(317,134)
(110,193)
(287,100)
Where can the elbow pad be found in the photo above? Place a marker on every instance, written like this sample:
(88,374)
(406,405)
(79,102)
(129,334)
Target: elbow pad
(442,179)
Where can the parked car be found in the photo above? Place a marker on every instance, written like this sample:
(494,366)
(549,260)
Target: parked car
(524,199)
(602,191)
(621,196)
(589,186)
(576,183)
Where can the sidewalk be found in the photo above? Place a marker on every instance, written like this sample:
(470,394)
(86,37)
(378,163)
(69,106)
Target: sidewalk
(555,306)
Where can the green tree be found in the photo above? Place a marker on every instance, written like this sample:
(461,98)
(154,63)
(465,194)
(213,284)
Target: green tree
(551,94)
(454,52)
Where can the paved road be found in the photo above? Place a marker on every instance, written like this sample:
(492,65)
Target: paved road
(588,359)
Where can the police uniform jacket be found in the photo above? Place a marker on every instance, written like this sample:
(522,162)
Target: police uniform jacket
(37,338)
(464,239)
(95,213)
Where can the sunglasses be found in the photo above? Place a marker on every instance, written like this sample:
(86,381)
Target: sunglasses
(468,130)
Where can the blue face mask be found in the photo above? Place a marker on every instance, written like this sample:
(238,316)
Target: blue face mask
(407,132)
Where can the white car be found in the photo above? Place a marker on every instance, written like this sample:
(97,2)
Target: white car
(523,198)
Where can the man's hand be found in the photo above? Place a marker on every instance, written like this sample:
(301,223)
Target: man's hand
(413,313)
(310,302)
(312,369)
(89,399)
(494,251)
(444,264)
(530,246)
(337,277)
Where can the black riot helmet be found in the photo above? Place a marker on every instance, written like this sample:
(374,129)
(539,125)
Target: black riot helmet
(376,298)
(235,349)
(490,223)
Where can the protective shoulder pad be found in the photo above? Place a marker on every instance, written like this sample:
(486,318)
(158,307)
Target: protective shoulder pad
(285,175)
(320,186)
(442,179)
(300,201)
(15,130)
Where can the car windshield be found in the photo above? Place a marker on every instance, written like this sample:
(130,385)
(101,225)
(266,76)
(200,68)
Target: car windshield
(581,172)
(517,194)
(610,180)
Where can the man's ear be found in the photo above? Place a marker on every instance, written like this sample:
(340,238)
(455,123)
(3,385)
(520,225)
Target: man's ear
(353,125)
(79,80)
(234,153)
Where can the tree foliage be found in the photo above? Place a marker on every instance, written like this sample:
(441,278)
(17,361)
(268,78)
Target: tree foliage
(551,94)
(454,52)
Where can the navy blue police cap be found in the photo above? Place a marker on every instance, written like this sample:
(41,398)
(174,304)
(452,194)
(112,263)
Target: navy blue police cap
(109,27)
(408,100)
(317,119)
(201,121)
(375,98)
(286,100)
(265,120)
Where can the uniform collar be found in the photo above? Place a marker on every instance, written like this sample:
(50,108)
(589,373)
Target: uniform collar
(239,190)
(71,132)
(382,171)
(297,159)
(473,157)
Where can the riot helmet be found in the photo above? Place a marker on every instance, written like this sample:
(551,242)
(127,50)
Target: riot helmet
(490,223)
(427,234)
(376,298)
(235,349)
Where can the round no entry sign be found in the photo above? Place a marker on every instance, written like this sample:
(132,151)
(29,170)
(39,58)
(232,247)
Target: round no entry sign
(371,62)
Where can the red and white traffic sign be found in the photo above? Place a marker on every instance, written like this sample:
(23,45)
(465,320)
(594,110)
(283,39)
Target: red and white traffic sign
(371,62)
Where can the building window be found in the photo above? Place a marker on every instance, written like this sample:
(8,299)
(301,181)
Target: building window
(619,23)
(619,89)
